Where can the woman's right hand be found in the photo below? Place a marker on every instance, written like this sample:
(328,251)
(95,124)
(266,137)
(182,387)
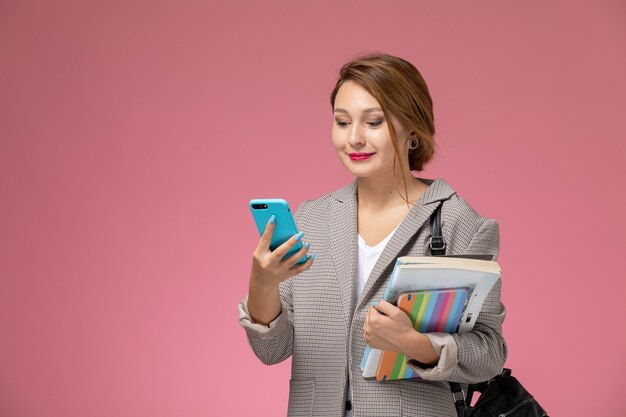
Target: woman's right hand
(268,270)
(268,267)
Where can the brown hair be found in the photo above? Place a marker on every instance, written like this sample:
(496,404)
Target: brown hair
(402,92)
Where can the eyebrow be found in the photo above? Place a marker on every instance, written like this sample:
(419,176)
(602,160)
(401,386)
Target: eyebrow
(370,110)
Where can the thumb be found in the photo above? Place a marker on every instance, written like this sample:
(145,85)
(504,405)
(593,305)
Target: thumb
(385,308)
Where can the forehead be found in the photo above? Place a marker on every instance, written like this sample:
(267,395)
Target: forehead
(354,98)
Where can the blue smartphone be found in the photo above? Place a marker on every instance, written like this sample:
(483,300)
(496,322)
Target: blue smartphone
(285,228)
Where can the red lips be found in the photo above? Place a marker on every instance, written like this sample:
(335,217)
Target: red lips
(360,156)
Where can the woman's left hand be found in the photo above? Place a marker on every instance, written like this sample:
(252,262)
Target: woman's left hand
(387,327)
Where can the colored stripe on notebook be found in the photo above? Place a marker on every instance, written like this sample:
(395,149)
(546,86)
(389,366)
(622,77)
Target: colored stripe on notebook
(457,309)
(447,307)
(428,313)
(438,311)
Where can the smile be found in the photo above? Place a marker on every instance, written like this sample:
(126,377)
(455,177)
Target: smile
(360,156)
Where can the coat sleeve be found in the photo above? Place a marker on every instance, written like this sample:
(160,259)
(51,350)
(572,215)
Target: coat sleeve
(478,355)
(274,343)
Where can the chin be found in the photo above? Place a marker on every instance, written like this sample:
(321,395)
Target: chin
(359,169)
(361,173)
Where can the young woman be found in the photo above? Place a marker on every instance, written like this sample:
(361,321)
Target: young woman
(320,313)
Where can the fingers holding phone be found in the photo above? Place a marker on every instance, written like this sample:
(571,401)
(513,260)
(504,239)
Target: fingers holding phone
(294,262)
(280,252)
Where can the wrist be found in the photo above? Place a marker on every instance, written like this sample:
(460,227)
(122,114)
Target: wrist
(417,346)
(409,342)
(264,303)
(258,286)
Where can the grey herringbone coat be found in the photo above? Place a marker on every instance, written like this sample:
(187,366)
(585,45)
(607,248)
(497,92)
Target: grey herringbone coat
(321,328)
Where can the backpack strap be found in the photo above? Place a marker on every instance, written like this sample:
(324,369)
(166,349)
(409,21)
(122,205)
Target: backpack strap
(437,243)
(437,246)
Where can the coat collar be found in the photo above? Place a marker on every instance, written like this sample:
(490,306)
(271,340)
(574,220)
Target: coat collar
(438,190)
(343,232)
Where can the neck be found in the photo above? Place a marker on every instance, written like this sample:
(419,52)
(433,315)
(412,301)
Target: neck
(382,191)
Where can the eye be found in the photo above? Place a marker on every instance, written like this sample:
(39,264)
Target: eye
(341,123)
(375,123)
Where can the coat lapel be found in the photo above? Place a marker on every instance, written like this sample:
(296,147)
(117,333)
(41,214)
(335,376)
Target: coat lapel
(343,243)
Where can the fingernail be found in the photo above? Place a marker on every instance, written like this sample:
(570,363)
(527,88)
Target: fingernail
(272,219)
(374,303)
(313,256)
(307,245)
(299,236)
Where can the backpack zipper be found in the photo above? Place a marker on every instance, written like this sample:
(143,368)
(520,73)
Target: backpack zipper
(512,410)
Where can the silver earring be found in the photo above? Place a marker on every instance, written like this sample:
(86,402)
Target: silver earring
(414,143)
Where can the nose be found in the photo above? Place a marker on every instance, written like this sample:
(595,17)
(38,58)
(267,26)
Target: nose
(356,138)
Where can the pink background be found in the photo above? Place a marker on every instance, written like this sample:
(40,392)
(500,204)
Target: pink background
(133,133)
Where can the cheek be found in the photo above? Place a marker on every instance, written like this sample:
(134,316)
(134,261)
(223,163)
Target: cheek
(337,138)
(382,141)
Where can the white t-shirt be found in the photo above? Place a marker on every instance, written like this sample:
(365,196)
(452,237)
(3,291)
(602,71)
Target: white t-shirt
(367,257)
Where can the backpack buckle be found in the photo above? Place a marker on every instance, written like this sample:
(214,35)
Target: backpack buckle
(437,243)
(458,396)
